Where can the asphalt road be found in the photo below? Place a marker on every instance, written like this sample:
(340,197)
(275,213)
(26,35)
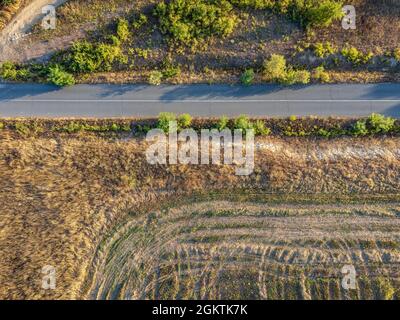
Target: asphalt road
(102,101)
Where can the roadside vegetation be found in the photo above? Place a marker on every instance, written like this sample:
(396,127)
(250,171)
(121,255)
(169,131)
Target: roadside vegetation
(373,126)
(235,41)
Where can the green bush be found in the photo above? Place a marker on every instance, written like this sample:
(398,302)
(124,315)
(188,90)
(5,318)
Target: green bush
(260,129)
(170,71)
(184,121)
(9,71)
(322,50)
(275,68)
(380,124)
(374,124)
(310,13)
(320,74)
(247,77)
(164,118)
(155,77)
(360,128)
(243,123)
(296,77)
(355,56)
(317,13)
(188,21)
(222,123)
(88,57)
(123,29)
(140,21)
(59,77)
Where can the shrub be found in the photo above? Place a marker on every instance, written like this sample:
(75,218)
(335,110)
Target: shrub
(320,74)
(355,56)
(59,77)
(88,57)
(296,77)
(170,71)
(380,124)
(123,29)
(243,123)
(360,128)
(9,71)
(317,13)
(155,77)
(323,50)
(187,21)
(164,118)
(184,121)
(139,22)
(310,13)
(222,123)
(260,128)
(275,68)
(247,77)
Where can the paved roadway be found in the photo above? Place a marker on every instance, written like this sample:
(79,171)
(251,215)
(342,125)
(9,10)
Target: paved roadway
(102,101)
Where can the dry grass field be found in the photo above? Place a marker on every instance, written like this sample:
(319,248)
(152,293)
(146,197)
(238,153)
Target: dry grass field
(114,226)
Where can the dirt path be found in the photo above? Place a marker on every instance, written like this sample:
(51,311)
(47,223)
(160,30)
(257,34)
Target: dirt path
(23,22)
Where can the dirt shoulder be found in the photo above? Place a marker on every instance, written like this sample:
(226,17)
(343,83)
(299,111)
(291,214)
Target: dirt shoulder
(23,22)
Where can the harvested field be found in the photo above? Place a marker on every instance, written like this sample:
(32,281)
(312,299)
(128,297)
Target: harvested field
(67,197)
(225,250)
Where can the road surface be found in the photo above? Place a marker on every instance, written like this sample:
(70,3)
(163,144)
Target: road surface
(103,101)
